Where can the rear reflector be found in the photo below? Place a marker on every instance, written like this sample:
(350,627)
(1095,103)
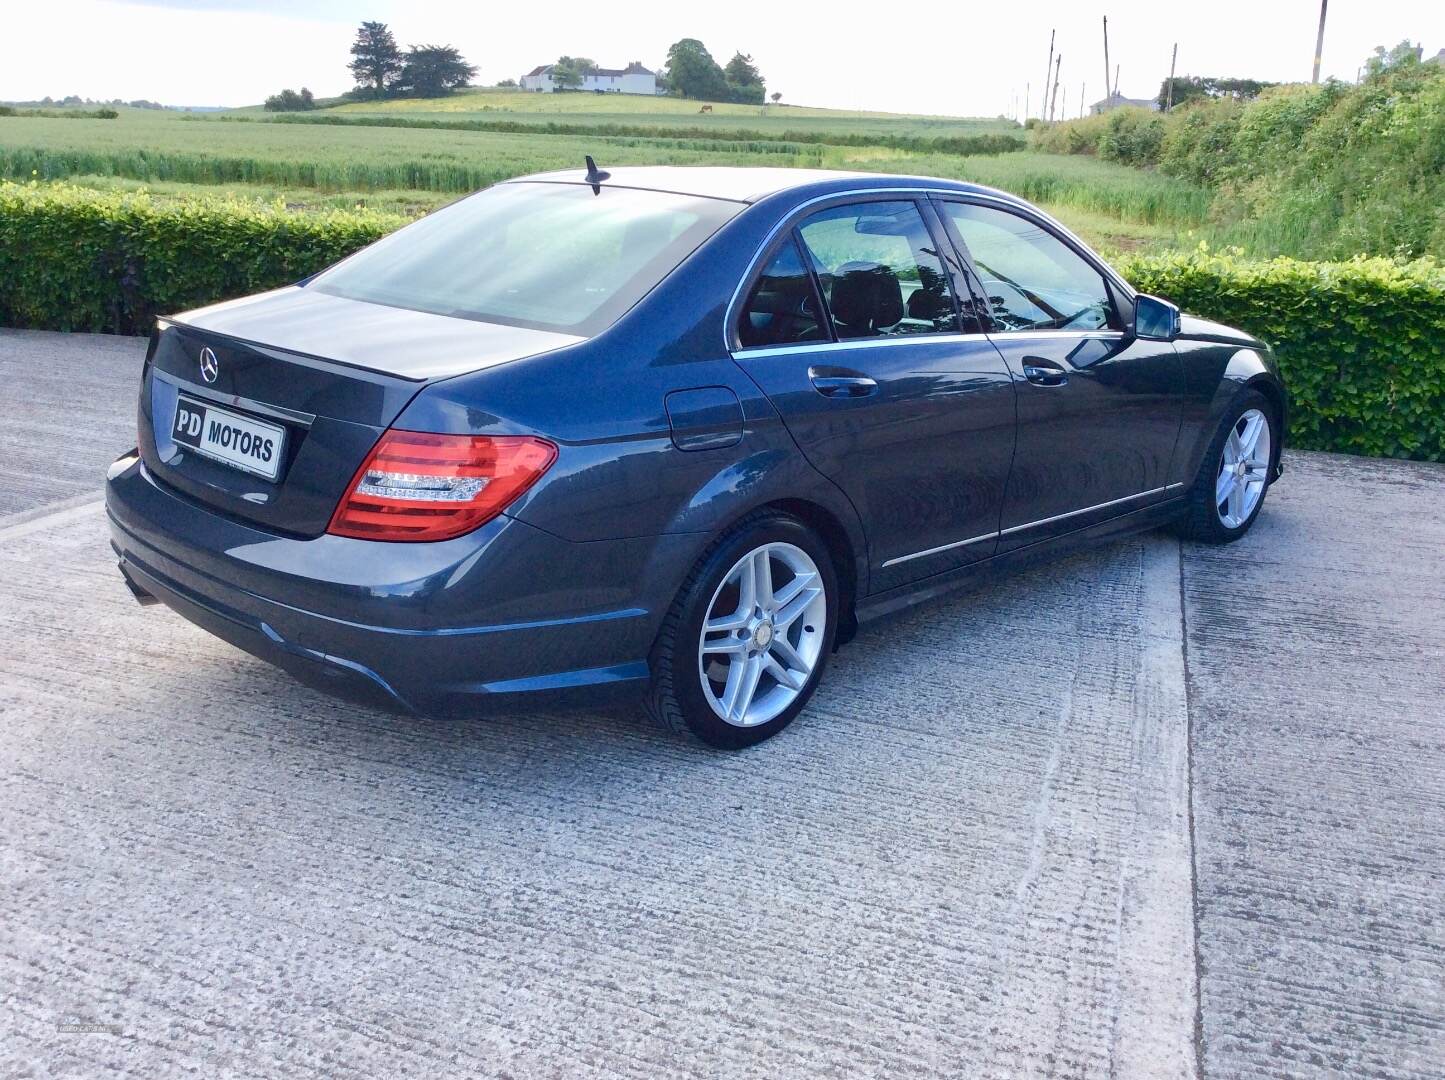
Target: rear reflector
(421,486)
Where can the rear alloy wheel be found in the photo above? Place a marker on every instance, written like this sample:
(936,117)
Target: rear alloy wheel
(1229,491)
(763,634)
(745,644)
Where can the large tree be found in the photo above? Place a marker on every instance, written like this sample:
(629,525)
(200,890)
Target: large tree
(569,71)
(693,73)
(434,71)
(745,82)
(377,62)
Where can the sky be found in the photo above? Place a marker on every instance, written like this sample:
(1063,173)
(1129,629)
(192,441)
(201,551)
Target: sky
(969,59)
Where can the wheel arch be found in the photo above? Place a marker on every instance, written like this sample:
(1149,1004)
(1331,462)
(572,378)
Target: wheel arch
(1269,387)
(846,559)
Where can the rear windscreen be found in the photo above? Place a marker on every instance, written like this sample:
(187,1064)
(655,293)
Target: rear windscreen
(549,256)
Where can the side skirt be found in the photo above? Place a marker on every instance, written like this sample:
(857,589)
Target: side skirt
(979,574)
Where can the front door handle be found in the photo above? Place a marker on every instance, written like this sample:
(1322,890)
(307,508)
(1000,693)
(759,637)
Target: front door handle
(835,383)
(1043,372)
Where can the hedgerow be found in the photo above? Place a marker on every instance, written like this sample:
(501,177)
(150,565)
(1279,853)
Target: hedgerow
(76,259)
(1361,344)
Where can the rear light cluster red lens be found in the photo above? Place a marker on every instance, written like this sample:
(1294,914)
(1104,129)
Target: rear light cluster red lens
(421,486)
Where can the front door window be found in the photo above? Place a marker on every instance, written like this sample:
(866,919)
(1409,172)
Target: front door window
(1032,279)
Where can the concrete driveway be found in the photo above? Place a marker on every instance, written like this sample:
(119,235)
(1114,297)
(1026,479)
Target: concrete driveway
(1151,812)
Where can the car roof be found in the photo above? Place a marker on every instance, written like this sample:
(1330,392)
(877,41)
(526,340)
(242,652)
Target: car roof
(748,185)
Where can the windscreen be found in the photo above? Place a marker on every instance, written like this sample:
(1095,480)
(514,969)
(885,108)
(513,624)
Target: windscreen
(549,256)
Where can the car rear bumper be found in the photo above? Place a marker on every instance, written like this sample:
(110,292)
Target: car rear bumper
(509,616)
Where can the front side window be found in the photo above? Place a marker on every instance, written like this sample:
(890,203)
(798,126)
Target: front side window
(782,309)
(879,271)
(549,256)
(1031,278)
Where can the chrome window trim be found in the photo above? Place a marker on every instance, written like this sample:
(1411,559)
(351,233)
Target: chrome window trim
(1030,525)
(860,343)
(1004,201)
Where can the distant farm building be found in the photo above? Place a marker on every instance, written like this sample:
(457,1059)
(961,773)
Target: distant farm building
(633,79)
(1117,100)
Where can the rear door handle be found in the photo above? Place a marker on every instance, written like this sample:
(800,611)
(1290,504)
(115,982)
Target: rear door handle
(836,384)
(1043,372)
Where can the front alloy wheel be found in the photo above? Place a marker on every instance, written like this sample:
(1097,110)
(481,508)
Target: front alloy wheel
(1243,469)
(747,639)
(1234,476)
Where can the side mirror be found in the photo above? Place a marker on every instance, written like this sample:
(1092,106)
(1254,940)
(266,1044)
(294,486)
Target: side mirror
(1155,319)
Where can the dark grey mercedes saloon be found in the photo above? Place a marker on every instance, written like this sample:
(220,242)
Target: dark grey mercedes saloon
(670,433)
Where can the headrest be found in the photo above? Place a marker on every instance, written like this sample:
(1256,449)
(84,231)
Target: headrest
(930,303)
(866,297)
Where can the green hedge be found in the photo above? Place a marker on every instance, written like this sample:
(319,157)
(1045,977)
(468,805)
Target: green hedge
(1361,344)
(75,259)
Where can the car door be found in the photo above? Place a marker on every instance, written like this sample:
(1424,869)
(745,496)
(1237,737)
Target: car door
(1099,409)
(854,331)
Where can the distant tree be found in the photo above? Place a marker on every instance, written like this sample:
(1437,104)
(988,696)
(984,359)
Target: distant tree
(570,71)
(506,84)
(1196,87)
(745,82)
(377,63)
(290,101)
(777,96)
(434,71)
(693,73)
(1404,54)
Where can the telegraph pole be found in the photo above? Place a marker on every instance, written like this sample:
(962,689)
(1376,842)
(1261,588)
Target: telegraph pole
(1048,72)
(1169,95)
(1057,62)
(1320,41)
(1083,87)
(1107,95)
(1116,78)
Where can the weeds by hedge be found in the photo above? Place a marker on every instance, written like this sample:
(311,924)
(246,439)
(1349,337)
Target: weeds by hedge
(74,259)
(1361,344)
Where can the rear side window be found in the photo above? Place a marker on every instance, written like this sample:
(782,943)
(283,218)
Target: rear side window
(879,271)
(1031,278)
(783,307)
(549,256)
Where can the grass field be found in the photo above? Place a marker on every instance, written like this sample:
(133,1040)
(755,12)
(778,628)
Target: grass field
(410,170)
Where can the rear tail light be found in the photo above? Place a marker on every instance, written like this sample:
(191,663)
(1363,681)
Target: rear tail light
(421,486)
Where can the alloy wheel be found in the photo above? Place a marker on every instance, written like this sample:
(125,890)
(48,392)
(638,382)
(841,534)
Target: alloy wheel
(1243,469)
(763,634)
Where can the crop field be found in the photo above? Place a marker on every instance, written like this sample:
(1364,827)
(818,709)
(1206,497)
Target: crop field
(408,170)
(671,112)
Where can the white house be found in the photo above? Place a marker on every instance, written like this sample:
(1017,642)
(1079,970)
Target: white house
(633,79)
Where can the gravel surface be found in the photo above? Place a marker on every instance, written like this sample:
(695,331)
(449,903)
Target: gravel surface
(972,856)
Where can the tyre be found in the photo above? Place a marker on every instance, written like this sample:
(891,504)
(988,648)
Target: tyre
(745,643)
(1229,491)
